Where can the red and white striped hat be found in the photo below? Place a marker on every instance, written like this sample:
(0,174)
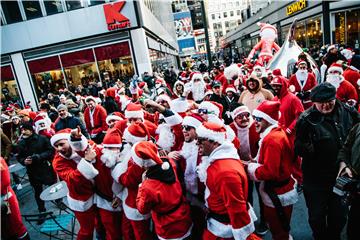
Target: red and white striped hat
(134,110)
(63,134)
(136,132)
(112,138)
(145,154)
(212,131)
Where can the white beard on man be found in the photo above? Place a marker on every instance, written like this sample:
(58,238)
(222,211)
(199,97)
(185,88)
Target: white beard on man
(166,138)
(110,157)
(301,76)
(198,90)
(335,80)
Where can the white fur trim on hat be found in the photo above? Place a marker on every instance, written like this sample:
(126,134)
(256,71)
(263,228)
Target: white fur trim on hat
(90,98)
(333,68)
(263,115)
(239,110)
(173,119)
(179,106)
(191,121)
(231,71)
(203,132)
(134,114)
(139,161)
(358,82)
(112,145)
(197,75)
(78,145)
(231,89)
(59,136)
(87,169)
(112,117)
(128,137)
(210,107)
(330,47)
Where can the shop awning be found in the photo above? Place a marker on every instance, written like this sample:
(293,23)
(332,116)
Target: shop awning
(77,58)
(112,51)
(44,64)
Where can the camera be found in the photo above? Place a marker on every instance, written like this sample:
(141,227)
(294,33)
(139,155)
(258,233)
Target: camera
(345,187)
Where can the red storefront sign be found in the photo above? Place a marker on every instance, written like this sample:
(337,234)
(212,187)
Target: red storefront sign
(114,19)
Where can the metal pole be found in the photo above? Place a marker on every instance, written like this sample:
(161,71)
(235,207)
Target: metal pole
(208,50)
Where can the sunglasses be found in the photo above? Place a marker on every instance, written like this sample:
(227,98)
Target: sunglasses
(204,111)
(162,102)
(187,128)
(258,119)
(242,115)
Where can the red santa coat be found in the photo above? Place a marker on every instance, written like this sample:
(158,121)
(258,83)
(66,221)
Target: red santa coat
(129,175)
(226,190)
(309,84)
(352,75)
(78,175)
(275,164)
(253,137)
(290,109)
(169,210)
(96,122)
(13,227)
(222,79)
(346,92)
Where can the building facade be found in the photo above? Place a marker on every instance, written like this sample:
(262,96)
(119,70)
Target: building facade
(223,16)
(319,23)
(48,45)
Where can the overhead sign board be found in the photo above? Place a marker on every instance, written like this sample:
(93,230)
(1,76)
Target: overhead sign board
(296,7)
(114,19)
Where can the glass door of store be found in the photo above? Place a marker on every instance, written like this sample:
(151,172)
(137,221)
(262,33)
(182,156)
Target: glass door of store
(9,88)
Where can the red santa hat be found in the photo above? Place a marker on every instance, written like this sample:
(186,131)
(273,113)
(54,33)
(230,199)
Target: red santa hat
(277,72)
(163,97)
(134,110)
(117,116)
(112,138)
(90,98)
(111,92)
(268,110)
(37,121)
(141,84)
(231,71)
(145,154)
(336,67)
(63,134)
(240,110)
(212,106)
(276,81)
(331,47)
(193,120)
(136,132)
(266,25)
(231,88)
(347,53)
(212,131)
(301,62)
(208,92)
(10,109)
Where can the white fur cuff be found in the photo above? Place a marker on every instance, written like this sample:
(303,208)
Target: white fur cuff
(252,169)
(87,169)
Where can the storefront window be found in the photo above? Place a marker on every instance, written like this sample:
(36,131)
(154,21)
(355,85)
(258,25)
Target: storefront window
(353,28)
(46,75)
(340,27)
(72,5)
(11,11)
(115,62)
(93,3)
(53,7)
(32,9)
(80,67)
(160,60)
(314,32)
(9,88)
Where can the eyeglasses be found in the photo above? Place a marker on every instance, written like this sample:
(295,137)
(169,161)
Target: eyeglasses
(258,119)
(242,115)
(187,128)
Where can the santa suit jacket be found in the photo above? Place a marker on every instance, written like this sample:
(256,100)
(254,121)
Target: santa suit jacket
(346,91)
(78,175)
(129,175)
(98,124)
(169,209)
(225,193)
(290,109)
(253,137)
(352,75)
(309,84)
(100,175)
(275,164)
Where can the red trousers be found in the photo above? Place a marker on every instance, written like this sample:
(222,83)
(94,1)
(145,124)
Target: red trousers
(138,230)
(11,224)
(111,222)
(207,235)
(276,229)
(87,223)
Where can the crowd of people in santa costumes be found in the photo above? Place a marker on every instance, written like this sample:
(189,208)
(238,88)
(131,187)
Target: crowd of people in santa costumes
(183,159)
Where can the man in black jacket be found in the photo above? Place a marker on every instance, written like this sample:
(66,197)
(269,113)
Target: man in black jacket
(36,153)
(67,120)
(320,133)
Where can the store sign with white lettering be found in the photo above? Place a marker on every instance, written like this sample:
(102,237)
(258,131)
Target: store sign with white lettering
(114,19)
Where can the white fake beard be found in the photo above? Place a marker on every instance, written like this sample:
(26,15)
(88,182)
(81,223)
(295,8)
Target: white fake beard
(301,75)
(198,91)
(334,80)
(38,129)
(166,137)
(189,149)
(109,157)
